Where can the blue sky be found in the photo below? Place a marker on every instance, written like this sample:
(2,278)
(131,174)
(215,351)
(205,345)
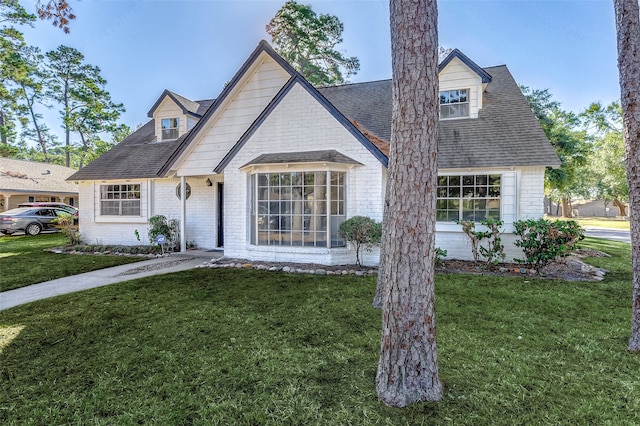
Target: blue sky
(193,47)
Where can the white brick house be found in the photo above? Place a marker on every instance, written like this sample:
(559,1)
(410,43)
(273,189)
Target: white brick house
(273,165)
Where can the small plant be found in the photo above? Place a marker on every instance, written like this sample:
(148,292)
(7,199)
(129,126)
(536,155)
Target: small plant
(544,241)
(361,231)
(137,234)
(492,251)
(440,255)
(160,225)
(68,225)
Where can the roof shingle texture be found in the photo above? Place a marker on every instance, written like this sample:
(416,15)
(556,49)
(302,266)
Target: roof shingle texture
(31,176)
(326,156)
(505,134)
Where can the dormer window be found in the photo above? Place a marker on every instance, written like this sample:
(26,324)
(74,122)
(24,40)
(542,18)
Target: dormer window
(454,103)
(170,128)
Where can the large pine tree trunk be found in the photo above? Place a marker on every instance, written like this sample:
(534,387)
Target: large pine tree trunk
(628,31)
(408,367)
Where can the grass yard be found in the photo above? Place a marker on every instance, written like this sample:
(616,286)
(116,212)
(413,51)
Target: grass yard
(23,260)
(598,222)
(247,347)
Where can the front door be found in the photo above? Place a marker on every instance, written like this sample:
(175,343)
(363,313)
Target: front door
(220,214)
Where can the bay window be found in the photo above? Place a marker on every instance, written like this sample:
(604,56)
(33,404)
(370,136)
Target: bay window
(297,208)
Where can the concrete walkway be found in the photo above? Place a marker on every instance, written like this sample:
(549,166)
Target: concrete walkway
(164,265)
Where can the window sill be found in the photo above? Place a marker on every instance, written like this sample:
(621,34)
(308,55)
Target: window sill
(298,249)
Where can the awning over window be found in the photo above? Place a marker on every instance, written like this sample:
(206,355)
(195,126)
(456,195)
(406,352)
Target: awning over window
(327,156)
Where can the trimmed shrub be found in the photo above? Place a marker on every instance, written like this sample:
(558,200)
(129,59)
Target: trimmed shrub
(544,241)
(361,231)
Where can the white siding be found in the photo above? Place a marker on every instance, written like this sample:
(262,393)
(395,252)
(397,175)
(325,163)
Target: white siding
(169,109)
(240,109)
(300,123)
(456,75)
(157,197)
(522,194)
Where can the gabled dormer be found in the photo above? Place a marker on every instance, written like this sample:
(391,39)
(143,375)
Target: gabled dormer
(462,84)
(174,115)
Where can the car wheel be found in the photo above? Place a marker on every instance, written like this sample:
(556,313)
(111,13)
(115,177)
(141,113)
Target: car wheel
(33,229)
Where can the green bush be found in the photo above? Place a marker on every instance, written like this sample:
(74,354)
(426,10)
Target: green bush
(361,231)
(440,255)
(68,225)
(544,241)
(170,228)
(492,250)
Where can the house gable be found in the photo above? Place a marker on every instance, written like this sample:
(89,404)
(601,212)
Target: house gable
(458,72)
(263,74)
(299,81)
(167,108)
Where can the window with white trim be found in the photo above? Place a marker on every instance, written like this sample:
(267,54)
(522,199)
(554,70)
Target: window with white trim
(468,197)
(120,200)
(454,103)
(298,209)
(170,128)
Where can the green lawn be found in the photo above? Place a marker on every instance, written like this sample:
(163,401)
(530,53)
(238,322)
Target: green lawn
(598,222)
(213,346)
(23,260)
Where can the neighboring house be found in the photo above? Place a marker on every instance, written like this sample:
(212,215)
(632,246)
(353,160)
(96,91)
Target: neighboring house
(27,181)
(273,165)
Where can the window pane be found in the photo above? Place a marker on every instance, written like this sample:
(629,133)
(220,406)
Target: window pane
(475,200)
(292,207)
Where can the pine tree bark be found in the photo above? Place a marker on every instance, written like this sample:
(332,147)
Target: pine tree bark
(628,36)
(408,366)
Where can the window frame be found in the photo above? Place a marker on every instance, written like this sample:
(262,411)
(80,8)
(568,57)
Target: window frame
(171,131)
(131,189)
(467,102)
(333,210)
(477,188)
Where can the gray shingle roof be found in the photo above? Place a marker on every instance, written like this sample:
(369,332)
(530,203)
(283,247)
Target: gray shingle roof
(506,133)
(328,156)
(138,156)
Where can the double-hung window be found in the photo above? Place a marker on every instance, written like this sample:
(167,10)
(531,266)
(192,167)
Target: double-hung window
(298,209)
(454,103)
(468,197)
(170,128)
(120,200)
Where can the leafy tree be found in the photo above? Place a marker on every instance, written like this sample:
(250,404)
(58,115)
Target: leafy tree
(408,367)
(308,42)
(86,106)
(30,81)
(568,138)
(11,40)
(628,41)
(605,176)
